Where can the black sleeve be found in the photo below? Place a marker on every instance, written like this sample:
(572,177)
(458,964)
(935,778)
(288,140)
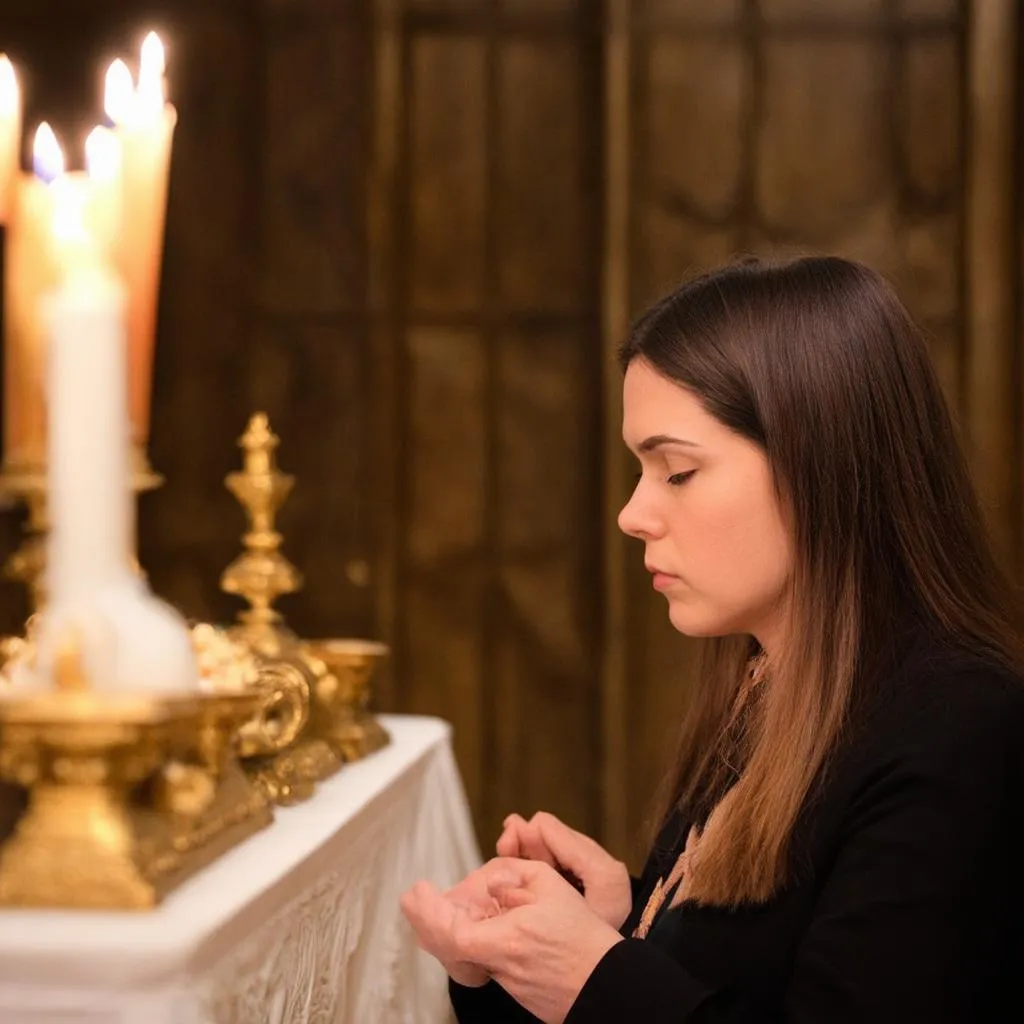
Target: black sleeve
(488,1004)
(911,923)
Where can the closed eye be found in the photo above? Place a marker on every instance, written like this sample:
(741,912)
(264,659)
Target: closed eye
(676,479)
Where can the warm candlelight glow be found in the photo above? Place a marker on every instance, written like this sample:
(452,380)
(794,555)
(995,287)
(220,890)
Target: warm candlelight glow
(47,156)
(144,128)
(102,155)
(10,100)
(118,93)
(151,77)
(10,137)
(68,224)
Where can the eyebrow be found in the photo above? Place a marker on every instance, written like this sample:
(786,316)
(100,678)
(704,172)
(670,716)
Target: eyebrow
(657,440)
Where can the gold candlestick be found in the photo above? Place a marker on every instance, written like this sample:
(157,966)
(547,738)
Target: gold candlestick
(129,794)
(282,755)
(341,706)
(83,840)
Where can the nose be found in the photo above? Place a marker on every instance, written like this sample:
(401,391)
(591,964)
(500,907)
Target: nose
(637,518)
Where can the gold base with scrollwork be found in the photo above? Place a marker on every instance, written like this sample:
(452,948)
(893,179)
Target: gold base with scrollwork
(128,794)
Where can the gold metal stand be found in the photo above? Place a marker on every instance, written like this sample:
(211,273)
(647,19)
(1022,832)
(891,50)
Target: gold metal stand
(341,706)
(86,839)
(27,483)
(281,753)
(129,794)
(235,808)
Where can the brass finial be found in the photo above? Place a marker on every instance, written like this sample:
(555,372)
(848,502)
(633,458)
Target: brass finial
(261,573)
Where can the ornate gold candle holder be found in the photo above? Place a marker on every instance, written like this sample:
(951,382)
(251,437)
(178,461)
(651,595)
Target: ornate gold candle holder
(27,483)
(280,751)
(129,794)
(222,806)
(87,838)
(341,704)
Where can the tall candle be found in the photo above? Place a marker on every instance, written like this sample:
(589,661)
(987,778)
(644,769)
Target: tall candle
(130,640)
(29,272)
(88,435)
(145,125)
(10,136)
(104,208)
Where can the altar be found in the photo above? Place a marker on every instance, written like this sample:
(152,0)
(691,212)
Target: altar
(300,923)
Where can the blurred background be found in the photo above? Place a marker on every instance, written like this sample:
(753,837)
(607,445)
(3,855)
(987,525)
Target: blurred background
(414,231)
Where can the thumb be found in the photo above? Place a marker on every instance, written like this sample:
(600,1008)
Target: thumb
(573,850)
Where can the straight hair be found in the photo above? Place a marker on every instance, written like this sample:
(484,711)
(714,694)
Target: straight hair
(817,361)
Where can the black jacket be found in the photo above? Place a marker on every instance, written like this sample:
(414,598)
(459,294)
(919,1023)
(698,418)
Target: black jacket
(906,904)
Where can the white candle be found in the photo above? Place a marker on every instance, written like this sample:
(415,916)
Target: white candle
(29,274)
(10,136)
(130,640)
(144,122)
(88,437)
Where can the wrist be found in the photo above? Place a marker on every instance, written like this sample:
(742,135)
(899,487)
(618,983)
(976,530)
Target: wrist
(468,975)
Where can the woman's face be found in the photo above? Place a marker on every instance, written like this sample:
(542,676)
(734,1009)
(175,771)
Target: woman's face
(715,539)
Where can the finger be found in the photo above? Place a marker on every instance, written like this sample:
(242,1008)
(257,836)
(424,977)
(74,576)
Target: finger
(520,874)
(572,850)
(412,899)
(431,917)
(485,943)
(511,898)
(508,842)
(533,847)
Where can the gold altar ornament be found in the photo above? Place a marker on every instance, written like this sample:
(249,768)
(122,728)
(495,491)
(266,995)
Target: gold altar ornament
(129,794)
(84,839)
(282,754)
(341,706)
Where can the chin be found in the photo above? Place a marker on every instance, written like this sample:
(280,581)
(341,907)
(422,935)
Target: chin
(697,622)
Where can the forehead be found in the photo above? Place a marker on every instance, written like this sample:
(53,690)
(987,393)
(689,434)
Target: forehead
(653,404)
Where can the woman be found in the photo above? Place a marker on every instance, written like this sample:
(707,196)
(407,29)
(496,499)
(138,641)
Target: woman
(841,834)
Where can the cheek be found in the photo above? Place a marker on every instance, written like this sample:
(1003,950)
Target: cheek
(735,548)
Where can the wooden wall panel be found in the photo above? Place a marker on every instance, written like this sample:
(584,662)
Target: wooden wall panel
(545,656)
(439,663)
(693,14)
(694,98)
(539,206)
(821,154)
(447,169)
(313,223)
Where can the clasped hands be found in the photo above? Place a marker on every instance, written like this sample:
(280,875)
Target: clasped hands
(520,921)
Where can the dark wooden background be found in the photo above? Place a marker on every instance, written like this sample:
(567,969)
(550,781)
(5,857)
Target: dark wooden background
(413,231)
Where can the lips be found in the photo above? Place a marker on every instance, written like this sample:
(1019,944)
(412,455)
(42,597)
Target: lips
(661,580)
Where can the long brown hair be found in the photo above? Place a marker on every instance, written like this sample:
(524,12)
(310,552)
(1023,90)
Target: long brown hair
(817,361)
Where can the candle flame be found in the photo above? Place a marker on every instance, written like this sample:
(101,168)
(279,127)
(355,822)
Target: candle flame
(102,155)
(153,60)
(151,75)
(47,156)
(9,96)
(118,92)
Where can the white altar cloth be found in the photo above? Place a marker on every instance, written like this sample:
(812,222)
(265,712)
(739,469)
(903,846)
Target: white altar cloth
(301,923)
